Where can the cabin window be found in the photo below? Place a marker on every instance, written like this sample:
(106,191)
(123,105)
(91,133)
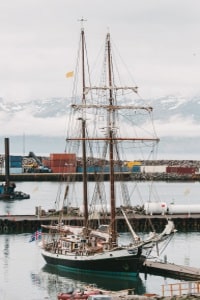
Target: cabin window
(65,245)
(133,251)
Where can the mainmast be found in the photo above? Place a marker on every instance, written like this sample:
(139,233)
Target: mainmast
(111,143)
(85,199)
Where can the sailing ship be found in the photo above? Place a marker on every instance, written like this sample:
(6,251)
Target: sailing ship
(96,248)
(7,189)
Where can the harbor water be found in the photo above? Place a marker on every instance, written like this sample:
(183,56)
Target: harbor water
(24,274)
(45,194)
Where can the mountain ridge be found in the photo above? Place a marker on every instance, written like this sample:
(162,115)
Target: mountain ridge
(56,106)
(38,125)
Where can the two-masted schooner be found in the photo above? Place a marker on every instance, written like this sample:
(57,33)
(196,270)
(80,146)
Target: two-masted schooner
(99,136)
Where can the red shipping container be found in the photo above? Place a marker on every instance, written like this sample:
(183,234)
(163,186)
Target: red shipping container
(62,160)
(180,170)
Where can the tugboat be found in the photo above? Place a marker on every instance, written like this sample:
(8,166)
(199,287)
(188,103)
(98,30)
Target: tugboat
(7,189)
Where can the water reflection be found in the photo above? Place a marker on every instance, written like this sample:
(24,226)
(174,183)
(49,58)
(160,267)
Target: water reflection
(6,251)
(64,279)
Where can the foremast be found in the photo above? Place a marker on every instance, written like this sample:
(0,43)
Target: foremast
(111,122)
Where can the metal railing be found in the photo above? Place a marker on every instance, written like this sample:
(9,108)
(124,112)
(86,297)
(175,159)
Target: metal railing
(181,288)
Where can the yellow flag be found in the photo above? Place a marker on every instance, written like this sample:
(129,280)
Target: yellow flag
(70,74)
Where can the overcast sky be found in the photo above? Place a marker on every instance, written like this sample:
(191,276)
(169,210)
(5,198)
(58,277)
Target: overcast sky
(158,39)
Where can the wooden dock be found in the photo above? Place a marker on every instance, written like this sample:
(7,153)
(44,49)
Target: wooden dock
(171,270)
(140,222)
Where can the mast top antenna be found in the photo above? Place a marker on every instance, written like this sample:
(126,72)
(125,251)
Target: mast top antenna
(82,20)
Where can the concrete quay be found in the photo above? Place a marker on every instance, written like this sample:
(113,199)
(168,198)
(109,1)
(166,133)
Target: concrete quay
(127,176)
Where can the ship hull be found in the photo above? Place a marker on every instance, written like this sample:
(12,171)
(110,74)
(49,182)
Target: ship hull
(119,262)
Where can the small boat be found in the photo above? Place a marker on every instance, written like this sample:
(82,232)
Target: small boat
(7,189)
(7,192)
(95,135)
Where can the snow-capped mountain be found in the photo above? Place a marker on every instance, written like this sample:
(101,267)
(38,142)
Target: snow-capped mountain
(171,106)
(165,108)
(39,124)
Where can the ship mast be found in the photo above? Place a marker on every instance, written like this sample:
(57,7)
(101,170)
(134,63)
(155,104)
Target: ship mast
(111,144)
(85,198)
